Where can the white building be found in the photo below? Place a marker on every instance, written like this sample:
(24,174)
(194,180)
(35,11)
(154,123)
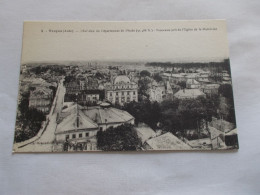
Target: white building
(77,129)
(41,99)
(121,90)
(156,93)
(78,126)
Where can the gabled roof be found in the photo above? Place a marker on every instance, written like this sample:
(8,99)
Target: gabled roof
(167,141)
(70,121)
(41,91)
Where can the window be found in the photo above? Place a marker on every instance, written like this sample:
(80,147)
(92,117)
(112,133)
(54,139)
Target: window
(122,93)
(134,92)
(110,93)
(116,93)
(73,136)
(100,128)
(87,134)
(80,135)
(67,137)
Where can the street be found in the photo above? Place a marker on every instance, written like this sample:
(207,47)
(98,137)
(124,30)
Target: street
(45,142)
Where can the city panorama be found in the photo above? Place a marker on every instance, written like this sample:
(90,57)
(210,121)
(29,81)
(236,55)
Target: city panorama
(125,106)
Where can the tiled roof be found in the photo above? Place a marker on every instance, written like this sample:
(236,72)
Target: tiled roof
(108,115)
(70,122)
(167,141)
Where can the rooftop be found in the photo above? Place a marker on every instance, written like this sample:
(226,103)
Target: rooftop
(40,91)
(121,79)
(189,93)
(192,82)
(167,141)
(145,132)
(107,115)
(69,122)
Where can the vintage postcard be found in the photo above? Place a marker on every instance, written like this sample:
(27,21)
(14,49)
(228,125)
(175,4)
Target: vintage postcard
(125,86)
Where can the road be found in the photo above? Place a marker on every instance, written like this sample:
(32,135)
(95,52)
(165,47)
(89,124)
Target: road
(45,142)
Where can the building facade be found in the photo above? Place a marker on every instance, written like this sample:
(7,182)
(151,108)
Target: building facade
(78,126)
(121,90)
(89,96)
(41,99)
(192,84)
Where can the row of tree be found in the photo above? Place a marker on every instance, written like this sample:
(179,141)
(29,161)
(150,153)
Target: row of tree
(215,66)
(54,69)
(29,120)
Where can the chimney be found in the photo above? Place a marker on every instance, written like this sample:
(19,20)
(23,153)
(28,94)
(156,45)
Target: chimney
(77,121)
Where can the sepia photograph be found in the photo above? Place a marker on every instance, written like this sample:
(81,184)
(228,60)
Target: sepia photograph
(125,86)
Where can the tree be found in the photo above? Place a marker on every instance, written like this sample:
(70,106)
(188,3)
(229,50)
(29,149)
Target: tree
(134,109)
(121,138)
(99,75)
(182,84)
(143,86)
(68,79)
(226,92)
(53,91)
(29,120)
(145,111)
(145,73)
(157,77)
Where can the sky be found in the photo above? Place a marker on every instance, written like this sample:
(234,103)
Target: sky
(163,41)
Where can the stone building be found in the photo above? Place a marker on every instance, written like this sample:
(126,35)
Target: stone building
(210,89)
(41,99)
(78,126)
(89,96)
(121,90)
(156,92)
(76,129)
(72,87)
